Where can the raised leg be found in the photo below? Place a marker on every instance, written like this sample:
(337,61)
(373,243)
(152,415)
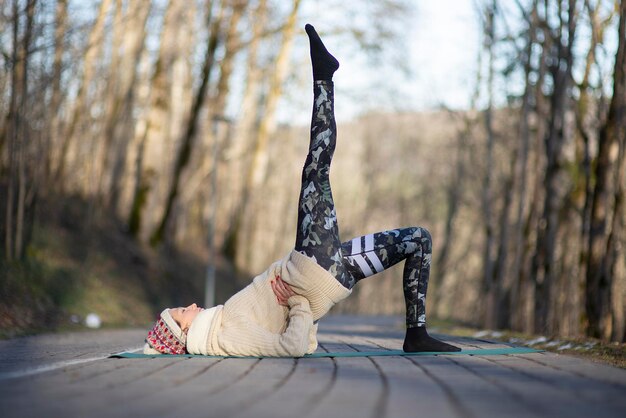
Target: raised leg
(317,231)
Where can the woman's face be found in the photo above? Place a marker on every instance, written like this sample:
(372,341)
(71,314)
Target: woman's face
(185,316)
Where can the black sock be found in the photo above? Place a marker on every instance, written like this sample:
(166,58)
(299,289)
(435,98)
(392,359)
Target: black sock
(417,340)
(324,64)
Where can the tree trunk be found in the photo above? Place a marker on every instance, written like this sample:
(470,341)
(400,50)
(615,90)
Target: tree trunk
(217,114)
(16,199)
(244,131)
(13,137)
(81,108)
(521,179)
(258,165)
(232,45)
(151,153)
(119,109)
(616,244)
(607,198)
(536,193)
(120,126)
(489,284)
(268,122)
(188,139)
(544,262)
(583,151)
(501,309)
(57,94)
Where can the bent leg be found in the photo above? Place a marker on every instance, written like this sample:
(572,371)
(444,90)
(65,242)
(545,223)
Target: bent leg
(370,254)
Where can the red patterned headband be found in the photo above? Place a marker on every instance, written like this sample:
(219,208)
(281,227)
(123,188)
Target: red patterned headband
(162,339)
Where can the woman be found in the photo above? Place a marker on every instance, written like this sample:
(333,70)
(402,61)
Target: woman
(277,314)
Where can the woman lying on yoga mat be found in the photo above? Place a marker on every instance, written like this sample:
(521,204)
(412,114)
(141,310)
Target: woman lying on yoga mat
(277,314)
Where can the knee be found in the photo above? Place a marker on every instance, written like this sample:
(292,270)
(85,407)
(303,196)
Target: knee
(421,233)
(424,236)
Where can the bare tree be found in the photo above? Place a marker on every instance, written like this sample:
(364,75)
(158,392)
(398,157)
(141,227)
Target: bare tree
(490,286)
(244,130)
(187,141)
(545,269)
(57,94)
(80,108)
(258,166)
(151,153)
(584,110)
(117,123)
(521,169)
(606,210)
(16,201)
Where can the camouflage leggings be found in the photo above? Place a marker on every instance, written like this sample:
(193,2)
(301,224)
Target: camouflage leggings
(318,233)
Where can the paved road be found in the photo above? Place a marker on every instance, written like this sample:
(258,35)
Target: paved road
(68,375)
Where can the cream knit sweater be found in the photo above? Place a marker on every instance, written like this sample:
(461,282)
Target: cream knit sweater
(252,323)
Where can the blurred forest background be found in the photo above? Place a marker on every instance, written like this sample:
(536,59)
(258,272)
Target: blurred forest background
(141,139)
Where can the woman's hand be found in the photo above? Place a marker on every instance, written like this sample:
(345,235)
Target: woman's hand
(282,291)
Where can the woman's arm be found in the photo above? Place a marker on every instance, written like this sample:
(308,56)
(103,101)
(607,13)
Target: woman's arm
(283,292)
(252,339)
(295,340)
(255,340)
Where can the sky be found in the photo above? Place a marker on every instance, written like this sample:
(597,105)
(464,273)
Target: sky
(444,45)
(439,58)
(438,48)
(433,64)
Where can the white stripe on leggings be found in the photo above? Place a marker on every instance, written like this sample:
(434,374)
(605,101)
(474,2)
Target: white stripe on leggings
(365,268)
(375,261)
(356,245)
(369,242)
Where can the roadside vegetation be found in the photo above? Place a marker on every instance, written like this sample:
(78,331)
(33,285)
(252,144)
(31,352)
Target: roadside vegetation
(613,353)
(77,266)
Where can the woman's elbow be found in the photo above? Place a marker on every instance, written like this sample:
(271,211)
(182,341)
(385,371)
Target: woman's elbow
(296,350)
(299,352)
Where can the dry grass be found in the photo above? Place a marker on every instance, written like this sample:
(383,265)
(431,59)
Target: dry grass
(592,349)
(75,267)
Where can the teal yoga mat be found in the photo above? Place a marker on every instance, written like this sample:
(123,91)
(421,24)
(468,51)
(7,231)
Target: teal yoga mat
(477,352)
